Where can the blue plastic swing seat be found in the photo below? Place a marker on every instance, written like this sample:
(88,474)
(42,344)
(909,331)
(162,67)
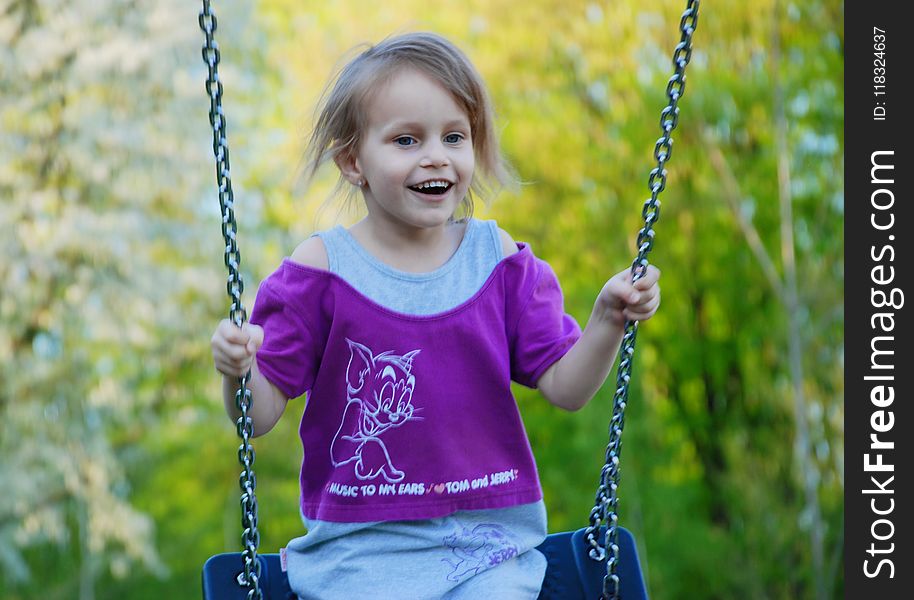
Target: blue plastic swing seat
(570,574)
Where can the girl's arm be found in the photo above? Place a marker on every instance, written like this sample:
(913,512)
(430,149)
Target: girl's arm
(234,350)
(574,379)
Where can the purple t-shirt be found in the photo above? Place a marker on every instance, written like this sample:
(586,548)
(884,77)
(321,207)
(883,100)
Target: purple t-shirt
(412,416)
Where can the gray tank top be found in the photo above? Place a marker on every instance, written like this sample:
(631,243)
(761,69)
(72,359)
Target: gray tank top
(450,285)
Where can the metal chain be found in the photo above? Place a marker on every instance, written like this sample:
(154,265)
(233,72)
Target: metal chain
(607,500)
(250,536)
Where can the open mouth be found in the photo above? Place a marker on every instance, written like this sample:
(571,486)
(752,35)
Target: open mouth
(432,188)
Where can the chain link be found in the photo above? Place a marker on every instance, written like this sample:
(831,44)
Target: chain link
(607,500)
(247,480)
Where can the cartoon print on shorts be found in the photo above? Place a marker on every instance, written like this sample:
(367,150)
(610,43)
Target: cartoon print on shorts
(478,549)
(379,398)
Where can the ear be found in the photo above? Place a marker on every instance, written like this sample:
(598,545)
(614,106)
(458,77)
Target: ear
(360,362)
(407,360)
(349,167)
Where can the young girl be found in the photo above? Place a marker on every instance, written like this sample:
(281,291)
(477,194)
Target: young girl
(406,331)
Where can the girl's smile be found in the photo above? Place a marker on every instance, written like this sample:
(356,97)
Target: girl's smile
(433,191)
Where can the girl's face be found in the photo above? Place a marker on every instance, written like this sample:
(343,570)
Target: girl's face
(416,154)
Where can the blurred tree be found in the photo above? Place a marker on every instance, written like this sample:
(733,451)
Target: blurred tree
(96,302)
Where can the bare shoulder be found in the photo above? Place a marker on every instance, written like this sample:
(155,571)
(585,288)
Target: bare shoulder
(312,253)
(509,246)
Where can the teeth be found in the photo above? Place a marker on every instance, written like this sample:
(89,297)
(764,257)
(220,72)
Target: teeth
(429,184)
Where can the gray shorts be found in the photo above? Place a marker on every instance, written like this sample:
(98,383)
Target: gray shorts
(466,555)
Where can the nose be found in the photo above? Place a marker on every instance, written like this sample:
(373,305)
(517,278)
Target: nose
(435,155)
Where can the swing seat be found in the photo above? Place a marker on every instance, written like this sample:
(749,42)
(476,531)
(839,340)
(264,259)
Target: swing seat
(570,574)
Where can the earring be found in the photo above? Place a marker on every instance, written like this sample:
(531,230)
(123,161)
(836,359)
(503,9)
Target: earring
(360,182)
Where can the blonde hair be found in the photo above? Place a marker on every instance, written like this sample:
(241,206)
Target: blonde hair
(342,115)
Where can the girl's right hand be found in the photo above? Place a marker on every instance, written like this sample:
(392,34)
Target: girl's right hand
(234,348)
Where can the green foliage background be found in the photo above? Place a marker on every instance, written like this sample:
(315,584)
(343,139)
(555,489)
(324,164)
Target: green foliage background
(118,462)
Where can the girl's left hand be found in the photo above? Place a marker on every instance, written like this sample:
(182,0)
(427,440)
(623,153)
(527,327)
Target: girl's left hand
(621,301)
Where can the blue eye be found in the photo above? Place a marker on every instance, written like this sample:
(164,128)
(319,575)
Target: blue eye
(404,140)
(453,138)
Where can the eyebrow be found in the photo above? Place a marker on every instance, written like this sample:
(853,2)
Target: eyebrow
(454,123)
